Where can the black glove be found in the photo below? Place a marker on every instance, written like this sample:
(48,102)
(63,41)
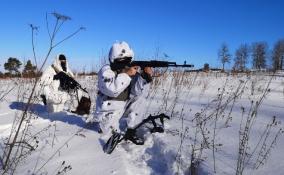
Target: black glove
(146,77)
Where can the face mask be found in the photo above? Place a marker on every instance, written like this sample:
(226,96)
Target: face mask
(63,65)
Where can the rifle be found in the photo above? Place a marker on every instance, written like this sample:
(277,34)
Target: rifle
(67,82)
(153,63)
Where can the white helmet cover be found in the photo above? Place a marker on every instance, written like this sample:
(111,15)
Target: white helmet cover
(120,50)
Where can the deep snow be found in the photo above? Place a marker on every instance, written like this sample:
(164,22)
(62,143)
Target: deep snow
(67,137)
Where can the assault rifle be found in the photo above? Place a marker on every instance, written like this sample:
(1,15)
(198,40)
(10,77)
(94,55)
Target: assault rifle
(153,63)
(67,82)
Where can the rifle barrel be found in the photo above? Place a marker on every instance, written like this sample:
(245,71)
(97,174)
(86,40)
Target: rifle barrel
(184,65)
(155,63)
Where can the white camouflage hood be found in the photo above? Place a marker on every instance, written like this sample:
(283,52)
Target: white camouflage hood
(57,64)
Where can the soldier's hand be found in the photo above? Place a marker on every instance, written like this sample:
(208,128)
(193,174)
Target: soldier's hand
(147,74)
(148,70)
(132,70)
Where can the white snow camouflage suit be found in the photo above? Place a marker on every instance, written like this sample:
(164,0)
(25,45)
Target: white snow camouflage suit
(55,97)
(116,94)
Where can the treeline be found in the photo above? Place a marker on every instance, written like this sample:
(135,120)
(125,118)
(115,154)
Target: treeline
(258,54)
(13,66)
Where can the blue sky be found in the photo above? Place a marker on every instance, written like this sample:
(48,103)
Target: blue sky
(191,30)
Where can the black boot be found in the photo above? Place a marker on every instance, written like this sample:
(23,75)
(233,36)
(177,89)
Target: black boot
(131,135)
(112,143)
(43,99)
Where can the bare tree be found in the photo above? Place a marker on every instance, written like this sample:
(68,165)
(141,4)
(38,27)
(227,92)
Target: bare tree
(278,55)
(224,55)
(241,57)
(259,55)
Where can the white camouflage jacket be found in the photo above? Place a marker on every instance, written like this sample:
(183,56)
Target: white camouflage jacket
(110,106)
(50,87)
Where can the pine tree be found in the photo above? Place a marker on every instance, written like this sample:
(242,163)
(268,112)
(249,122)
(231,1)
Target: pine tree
(29,70)
(206,67)
(29,67)
(13,65)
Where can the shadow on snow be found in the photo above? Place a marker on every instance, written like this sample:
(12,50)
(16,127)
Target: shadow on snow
(41,111)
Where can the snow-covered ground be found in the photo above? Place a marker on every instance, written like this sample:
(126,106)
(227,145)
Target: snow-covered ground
(67,145)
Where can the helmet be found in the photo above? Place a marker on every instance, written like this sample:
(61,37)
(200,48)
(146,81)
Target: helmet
(120,51)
